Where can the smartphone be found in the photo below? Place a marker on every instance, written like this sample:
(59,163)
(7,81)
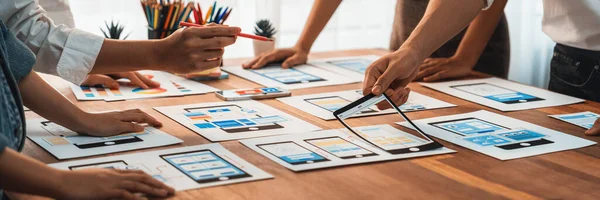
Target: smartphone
(255,93)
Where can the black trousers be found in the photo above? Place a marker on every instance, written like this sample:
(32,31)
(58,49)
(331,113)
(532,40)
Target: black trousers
(575,72)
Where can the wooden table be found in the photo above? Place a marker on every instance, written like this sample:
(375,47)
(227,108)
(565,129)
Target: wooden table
(571,174)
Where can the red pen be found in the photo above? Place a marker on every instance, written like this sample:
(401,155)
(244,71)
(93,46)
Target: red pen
(256,37)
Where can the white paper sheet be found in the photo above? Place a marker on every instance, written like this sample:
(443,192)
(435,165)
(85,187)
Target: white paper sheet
(322,105)
(170,85)
(352,67)
(582,119)
(63,143)
(301,76)
(186,86)
(499,136)
(323,149)
(220,121)
(210,161)
(502,94)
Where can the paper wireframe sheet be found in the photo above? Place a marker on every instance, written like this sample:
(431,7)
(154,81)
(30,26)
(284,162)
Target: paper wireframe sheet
(502,94)
(297,77)
(220,121)
(353,67)
(330,148)
(170,85)
(181,168)
(323,105)
(499,136)
(582,119)
(63,143)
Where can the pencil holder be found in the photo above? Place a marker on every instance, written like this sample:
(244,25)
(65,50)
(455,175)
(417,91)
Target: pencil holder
(159,33)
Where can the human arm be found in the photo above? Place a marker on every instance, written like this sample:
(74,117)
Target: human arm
(321,12)
(44,100)
(470,49)
(442,20)
(72,54)
(22,174)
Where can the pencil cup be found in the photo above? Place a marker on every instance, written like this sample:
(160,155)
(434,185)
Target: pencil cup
(263,46)
(159,33)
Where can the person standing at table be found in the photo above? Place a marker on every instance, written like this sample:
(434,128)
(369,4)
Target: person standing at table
(28,39)
(573,25)
(483,46)
(60,13)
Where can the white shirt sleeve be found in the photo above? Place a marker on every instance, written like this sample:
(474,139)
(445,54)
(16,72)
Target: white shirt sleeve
(488,3)
(68,53)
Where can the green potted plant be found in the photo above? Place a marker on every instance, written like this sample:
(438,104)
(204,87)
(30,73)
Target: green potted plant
(114,30)
(266,29)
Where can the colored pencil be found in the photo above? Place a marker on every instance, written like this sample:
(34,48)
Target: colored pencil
(245,35)
(226,16)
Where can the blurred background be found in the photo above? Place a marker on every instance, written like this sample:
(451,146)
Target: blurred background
(531,49)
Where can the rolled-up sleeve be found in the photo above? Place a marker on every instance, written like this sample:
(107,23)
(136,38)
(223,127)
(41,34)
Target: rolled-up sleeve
(68,53)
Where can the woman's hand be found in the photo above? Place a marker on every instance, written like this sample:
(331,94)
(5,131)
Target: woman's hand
(194,49)
(391,74)
(110,80)
(116,122)
(435,69)
(289,56)
(110,184)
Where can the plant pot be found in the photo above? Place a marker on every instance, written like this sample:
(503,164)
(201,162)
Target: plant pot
(263,46)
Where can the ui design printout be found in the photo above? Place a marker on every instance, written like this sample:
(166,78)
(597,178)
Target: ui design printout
(324,104)
(63,143)
(170,85)
(502,94)
(499,136)
(353,67)
(337,147)
(181,168)
(301,76)
(582,119)
(221,121)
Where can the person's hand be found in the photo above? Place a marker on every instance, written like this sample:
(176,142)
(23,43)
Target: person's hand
(110,80)
(116,122)
(435,69)
(390,74)
(595,130)
(289,56)
(110,184)
(195,49)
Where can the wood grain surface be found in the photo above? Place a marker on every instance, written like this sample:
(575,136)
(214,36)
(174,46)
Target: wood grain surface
(467,174)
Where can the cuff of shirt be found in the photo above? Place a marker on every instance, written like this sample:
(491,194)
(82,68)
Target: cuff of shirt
(79,55)
(488,3)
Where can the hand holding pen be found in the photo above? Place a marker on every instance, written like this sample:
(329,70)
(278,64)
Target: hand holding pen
(195,49)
